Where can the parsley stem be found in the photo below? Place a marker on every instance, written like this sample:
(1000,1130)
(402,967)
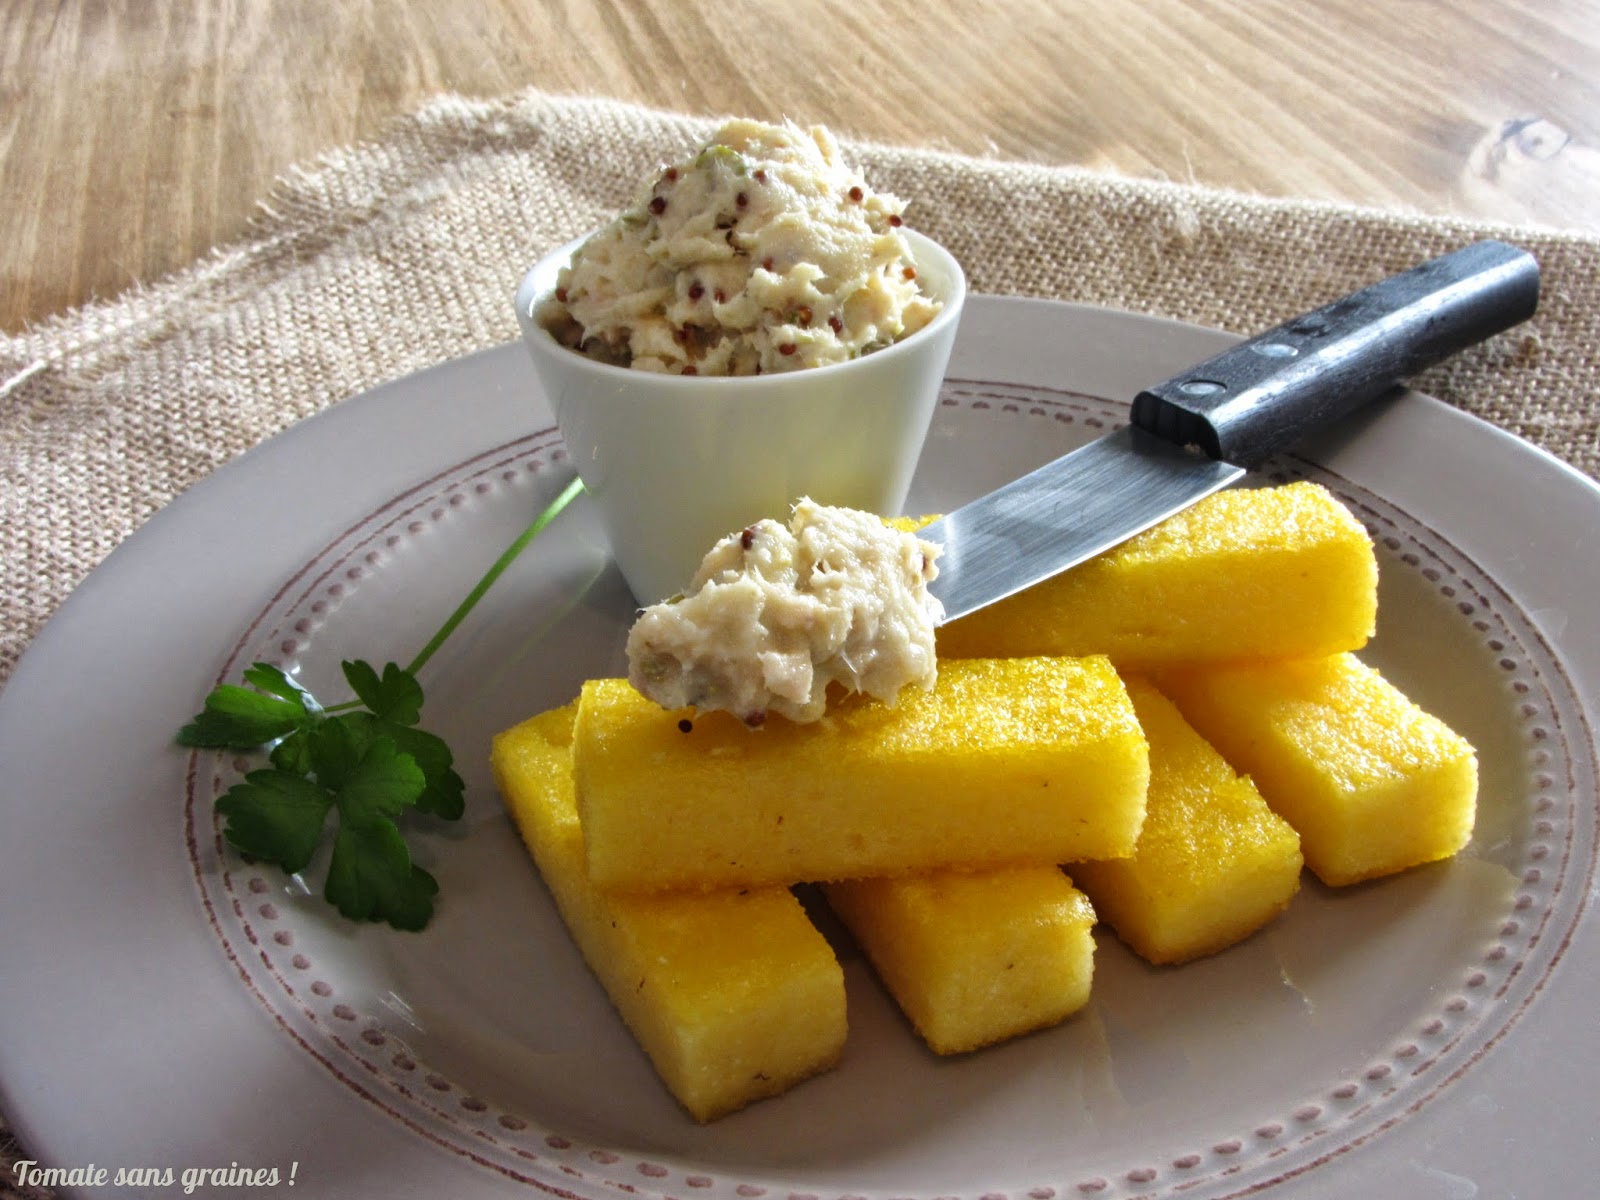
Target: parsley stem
(494,572)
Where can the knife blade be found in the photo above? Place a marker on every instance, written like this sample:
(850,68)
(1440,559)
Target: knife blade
(1207,426)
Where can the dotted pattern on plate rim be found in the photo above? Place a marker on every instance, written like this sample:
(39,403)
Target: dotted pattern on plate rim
(375,1061)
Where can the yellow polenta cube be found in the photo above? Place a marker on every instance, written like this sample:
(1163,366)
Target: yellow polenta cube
(1371,783)
(973,958)
(1246,574)
(1002,763)
(1214,863)
(734,995)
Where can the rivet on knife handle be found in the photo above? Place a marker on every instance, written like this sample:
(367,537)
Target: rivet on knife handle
(1267,393)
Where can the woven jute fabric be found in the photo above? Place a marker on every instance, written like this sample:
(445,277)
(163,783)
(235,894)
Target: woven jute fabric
(385,258)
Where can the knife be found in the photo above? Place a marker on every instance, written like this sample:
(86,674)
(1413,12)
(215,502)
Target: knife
(1204,428)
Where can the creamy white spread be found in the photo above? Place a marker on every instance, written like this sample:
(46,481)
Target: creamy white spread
(778,613)
(763,252)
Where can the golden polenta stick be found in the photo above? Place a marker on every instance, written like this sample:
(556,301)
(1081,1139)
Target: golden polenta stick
(1022,761)
(1213,863)
(733,994)
(1371,783)
(1246,574)
(974,958)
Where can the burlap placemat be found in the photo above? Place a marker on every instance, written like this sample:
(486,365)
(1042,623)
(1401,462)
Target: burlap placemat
(382,259)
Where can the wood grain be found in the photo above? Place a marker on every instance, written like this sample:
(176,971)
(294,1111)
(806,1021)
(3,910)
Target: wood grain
(135,137)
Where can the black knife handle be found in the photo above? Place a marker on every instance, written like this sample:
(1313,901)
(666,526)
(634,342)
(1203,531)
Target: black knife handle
(1264,395)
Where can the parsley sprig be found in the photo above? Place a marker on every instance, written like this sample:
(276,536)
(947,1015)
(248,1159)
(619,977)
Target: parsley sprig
(365,761)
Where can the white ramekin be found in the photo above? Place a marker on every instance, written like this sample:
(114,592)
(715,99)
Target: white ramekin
(676,462)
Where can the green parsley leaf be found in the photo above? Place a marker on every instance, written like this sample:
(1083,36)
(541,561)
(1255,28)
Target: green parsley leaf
(293,752)
(367,764)
(274,682)
(372,877)
(336,747)
(275,816)
(384,783)
(443,793)
(396,697)
(238,718)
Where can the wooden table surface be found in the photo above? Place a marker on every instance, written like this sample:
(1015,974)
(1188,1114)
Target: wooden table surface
(136,136)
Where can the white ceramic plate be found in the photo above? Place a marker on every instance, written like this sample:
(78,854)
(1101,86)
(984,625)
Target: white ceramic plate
(163,1005)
